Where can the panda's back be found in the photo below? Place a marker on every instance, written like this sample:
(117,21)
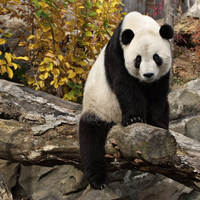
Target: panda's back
(98,96)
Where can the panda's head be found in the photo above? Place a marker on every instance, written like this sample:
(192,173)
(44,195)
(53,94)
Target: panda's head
(147,52)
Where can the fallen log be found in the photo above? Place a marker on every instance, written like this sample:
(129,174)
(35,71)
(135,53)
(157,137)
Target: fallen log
(38,128)
(155,150)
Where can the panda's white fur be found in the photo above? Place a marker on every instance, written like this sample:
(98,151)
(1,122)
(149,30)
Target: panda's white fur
(98,96)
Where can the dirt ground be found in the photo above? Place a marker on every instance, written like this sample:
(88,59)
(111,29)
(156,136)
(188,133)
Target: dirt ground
(185,68)
(186,64)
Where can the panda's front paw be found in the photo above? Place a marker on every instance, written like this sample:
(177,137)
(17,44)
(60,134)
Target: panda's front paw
(99,184)
(99,181)
(97,176)
(127,120)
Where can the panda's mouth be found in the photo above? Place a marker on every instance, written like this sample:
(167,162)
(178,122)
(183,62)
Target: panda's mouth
(148,80)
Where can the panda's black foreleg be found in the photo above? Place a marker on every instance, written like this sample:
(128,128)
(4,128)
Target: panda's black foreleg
(159,115)
(132,103)
(92,137)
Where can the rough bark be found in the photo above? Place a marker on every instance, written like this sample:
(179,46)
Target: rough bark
(169,13)
(34,126)
(156,150)
(37,128)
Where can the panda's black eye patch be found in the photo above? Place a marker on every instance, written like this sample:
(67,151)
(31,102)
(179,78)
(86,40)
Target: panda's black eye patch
(157,59)
(138,60)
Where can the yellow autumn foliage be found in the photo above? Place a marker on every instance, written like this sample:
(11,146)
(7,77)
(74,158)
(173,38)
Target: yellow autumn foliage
(7,60)
(67,37)
(7,63)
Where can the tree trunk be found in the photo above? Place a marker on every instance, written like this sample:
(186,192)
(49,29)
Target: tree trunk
(169,19)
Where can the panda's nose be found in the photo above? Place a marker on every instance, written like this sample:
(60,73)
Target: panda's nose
(148,75)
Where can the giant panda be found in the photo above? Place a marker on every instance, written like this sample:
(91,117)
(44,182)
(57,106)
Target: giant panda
(128,83)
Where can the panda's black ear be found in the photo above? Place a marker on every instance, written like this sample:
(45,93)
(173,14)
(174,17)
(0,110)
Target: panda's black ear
(127,36)
(166,31)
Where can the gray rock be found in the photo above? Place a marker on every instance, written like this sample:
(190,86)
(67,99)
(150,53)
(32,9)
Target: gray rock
(106,194)
(17,27)
(192,128)
(180,124)
(9,172)
(193,195)
(186,101)
(40,182)
(184,106)
(140,186)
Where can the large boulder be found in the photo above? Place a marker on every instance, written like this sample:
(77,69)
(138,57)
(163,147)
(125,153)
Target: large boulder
(67,182)
(184,106)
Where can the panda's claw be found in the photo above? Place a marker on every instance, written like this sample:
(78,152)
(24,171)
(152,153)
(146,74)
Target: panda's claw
(132,119)
(140,119)
(99,184)
(103,186)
